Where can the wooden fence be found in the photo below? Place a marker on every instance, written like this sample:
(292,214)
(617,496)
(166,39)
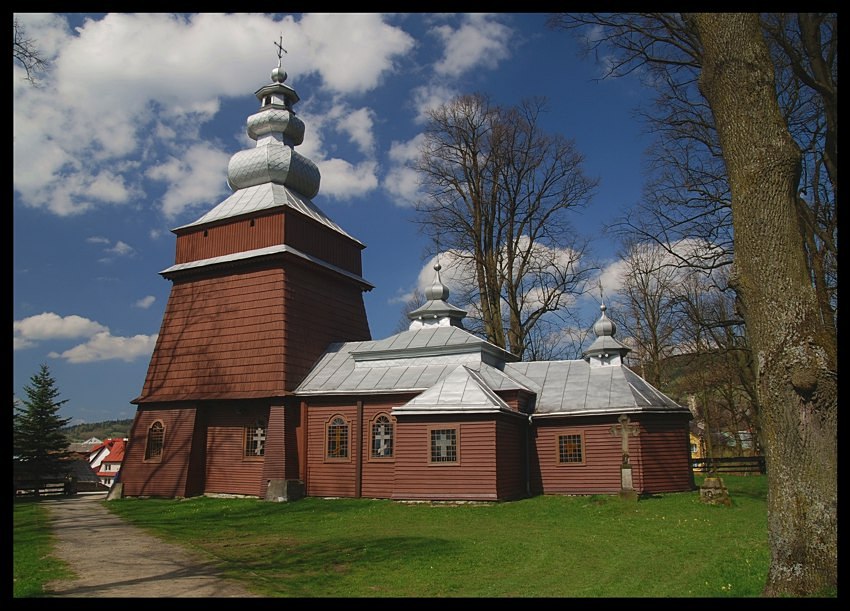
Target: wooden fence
(730,464)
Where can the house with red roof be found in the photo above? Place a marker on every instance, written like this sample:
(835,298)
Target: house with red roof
(105,459)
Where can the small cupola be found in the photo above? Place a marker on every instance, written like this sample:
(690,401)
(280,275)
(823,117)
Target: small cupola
(605,350)
(436,312)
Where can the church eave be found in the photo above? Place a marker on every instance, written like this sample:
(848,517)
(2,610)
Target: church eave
(252,256)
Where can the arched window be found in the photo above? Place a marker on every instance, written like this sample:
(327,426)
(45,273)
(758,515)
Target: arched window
(337,438)
(255,439)
(382,437)
(156,439)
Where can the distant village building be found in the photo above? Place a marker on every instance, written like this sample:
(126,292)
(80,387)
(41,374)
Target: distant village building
(265,380)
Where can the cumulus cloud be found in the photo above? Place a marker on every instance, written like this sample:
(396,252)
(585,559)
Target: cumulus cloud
(48,325)
(352,52)
(342,180)
(100,344)
(401,181)
(479,42)
(104,347)
(193,180)
(132,87)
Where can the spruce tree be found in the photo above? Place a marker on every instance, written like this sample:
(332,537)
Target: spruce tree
(40,445)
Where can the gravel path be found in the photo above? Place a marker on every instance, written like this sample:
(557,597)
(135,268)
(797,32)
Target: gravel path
(115,559)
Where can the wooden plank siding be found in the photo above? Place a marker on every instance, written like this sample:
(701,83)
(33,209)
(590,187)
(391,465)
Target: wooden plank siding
(221,336)
(665,454)
(334,477)
(379,473)
(167,476)
(274,463)
(235,235)
(314,239)
(321,308)
(659,456)
(511,445)
(250,334)
(228,470)
(472,477)
(600,471)
(283,226)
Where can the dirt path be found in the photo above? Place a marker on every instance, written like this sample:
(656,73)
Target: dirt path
(115,559)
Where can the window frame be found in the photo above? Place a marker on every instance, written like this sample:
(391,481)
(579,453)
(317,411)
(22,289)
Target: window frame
(372,423)
(583,448)
(148,454)
(431,429)
(248,433)
(327,430)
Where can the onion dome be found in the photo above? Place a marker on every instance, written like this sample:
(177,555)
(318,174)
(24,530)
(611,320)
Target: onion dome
(277,132)
(605,350)
(436,312)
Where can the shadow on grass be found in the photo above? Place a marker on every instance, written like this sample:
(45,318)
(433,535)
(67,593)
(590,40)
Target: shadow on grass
(322,569)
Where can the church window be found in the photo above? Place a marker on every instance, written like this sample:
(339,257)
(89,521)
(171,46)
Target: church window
(156,437)
(337,438)
(570,449)
(444,445)
(382,437)
(255,439)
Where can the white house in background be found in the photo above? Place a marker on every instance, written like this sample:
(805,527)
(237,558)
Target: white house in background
(105,460)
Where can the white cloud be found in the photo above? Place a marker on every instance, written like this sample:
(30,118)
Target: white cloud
(342,180)
(352,52)
(128,87)
(49,326)
(429,97)
(145,302)
(100,345)
(193,180)
(122,249)
(104,347)
(479,42)
(401,181)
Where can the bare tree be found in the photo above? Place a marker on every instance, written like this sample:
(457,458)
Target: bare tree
(646,311)
(25,52)
(499,194)
(790,325)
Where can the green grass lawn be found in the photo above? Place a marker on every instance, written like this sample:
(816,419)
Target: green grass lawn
(670,545)
(32,543)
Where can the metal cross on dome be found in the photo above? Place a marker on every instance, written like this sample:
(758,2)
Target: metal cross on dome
(280,49)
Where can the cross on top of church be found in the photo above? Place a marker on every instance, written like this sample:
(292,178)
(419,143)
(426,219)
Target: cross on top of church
(624,429)
(280,49)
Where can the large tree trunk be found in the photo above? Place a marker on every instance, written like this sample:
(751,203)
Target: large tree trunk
(796,354)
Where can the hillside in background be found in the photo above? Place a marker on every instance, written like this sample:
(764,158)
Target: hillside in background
(101,430)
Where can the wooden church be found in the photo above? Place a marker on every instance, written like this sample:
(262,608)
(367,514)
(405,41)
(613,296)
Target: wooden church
(265,380)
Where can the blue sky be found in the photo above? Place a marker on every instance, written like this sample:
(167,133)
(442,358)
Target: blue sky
(130,133)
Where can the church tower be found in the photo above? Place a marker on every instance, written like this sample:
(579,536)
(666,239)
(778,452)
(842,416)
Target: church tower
(261,285)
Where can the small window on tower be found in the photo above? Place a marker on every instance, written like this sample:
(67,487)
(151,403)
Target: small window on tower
(155,441)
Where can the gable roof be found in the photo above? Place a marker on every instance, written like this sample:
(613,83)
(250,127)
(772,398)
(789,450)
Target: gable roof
(462,390)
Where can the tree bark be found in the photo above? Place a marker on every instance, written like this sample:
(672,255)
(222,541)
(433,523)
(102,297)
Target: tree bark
(796,353)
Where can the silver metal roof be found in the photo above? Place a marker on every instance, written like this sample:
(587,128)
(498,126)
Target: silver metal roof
(462,390)
(449,365)
(265,197)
